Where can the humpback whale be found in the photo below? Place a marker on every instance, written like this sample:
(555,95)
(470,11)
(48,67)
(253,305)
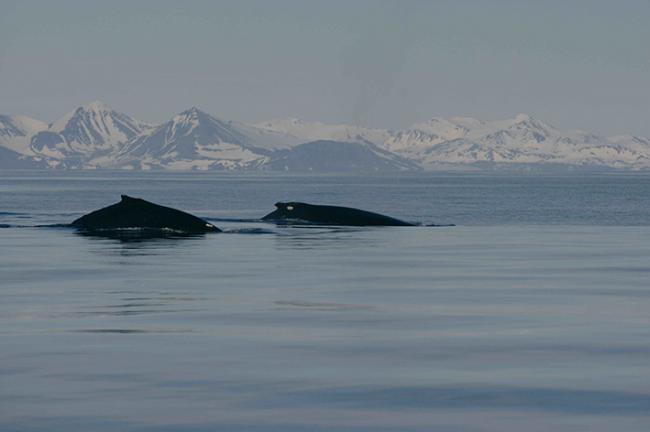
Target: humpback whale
(138,213)
(329,215)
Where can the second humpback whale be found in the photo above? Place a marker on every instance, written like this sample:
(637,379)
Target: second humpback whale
(329,215)
(138,213)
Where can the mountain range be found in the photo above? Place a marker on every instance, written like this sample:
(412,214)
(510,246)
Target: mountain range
(94,136)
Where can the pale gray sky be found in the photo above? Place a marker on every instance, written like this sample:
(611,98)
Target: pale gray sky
(575,64)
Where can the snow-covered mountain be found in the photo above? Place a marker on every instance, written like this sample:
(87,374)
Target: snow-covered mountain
(16,132)
(464,141)
(86,133)
(335,156)
(313,131)
(95,136)
(522,140)
(196,140)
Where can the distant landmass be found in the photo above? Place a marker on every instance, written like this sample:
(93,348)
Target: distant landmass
(94,136)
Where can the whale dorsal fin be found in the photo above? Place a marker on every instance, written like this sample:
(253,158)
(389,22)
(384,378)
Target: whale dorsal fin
(126,198)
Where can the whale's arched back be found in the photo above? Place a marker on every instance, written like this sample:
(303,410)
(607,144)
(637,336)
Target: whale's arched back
(300,212)
(138,213)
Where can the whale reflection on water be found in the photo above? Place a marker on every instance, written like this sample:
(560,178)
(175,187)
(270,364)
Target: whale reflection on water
(126,245)
(138,235)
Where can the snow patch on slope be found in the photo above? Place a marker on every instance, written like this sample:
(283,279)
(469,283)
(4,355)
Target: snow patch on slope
(16,132)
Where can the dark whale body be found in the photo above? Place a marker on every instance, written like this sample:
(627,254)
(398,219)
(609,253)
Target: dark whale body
(138,213)
(329,215)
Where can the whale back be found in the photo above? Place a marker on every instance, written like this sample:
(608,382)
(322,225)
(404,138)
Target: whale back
(138,213)
(329,215)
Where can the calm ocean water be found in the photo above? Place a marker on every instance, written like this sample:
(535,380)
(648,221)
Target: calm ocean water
(533,313)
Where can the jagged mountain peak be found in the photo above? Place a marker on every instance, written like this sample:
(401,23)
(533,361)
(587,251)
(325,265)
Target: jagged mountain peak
(192,112)
(91,108)
(193,115)
(202,125)
(205,128)
(194,139)
(86,132)
(95,105)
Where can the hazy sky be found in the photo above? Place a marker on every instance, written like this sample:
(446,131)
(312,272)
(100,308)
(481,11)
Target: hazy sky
(575,64)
